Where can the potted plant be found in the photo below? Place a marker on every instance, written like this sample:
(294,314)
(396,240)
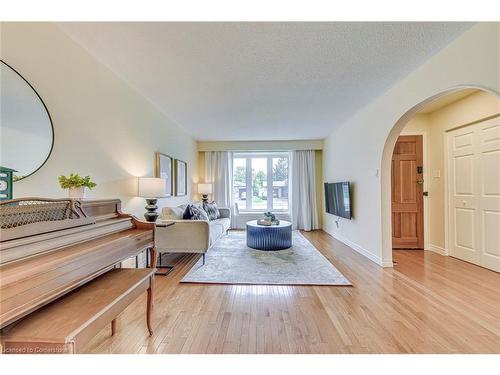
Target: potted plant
(76,184)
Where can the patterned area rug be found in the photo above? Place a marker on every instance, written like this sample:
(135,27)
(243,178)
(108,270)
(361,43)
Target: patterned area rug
(230,261)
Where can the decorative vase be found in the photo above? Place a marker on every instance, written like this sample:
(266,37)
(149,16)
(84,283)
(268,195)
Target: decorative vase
(76,192)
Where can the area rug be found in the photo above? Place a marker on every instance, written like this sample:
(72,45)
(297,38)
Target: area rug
(230,261)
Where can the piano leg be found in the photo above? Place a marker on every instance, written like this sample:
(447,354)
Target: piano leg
(153,257)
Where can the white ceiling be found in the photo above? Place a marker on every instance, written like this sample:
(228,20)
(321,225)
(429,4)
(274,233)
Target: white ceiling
(262,81)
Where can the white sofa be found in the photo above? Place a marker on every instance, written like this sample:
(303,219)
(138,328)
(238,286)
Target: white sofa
(189,236)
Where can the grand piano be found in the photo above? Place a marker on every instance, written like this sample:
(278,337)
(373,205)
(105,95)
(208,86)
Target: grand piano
(61,279)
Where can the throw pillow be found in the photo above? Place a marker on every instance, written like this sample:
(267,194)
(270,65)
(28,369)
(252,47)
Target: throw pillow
(187,213)
(172,213)
(197,212)
(212,210)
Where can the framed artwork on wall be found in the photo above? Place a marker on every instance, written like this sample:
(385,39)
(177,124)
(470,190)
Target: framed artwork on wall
(180,178)
(164,168)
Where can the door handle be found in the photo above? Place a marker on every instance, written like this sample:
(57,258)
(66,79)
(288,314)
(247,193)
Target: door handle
(464,203)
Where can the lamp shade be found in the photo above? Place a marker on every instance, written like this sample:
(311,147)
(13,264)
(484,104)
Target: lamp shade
(151,187)
(205,188)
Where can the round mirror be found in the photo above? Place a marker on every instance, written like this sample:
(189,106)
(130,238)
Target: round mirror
(26,132)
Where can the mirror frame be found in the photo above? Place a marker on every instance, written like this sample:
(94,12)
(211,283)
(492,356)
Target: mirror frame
(48,114)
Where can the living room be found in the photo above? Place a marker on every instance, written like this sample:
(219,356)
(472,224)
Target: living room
(250,187)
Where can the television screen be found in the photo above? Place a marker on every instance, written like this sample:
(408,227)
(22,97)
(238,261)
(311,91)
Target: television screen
(338,199)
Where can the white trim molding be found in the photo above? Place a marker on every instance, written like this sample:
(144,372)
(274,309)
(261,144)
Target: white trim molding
(379,261)
(438,249)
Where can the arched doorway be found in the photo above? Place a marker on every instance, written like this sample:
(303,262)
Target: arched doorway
(386,211)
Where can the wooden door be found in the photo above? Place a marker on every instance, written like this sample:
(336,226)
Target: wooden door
(474,193)
(407,193)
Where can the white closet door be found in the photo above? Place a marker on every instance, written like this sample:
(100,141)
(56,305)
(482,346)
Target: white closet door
(474,193)
(489,147)
(463,192)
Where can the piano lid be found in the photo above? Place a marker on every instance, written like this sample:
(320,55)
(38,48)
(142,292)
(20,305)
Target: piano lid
(31,216)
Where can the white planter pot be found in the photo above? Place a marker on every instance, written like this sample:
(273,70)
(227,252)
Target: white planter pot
(77,193)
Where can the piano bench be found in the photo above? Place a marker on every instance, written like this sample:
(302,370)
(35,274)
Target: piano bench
(69,323)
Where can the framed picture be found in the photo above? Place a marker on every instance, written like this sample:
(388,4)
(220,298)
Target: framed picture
(180,178)
(164,168)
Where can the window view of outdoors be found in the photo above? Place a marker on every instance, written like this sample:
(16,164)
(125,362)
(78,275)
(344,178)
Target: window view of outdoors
(251,178)
(259,188)
(239,182)
(280,184)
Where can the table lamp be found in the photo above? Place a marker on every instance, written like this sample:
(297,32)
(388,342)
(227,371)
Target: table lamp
(204,190)
(151,188)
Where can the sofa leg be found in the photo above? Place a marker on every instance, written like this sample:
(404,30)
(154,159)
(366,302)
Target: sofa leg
(167,269)
(160,266)
(203,258)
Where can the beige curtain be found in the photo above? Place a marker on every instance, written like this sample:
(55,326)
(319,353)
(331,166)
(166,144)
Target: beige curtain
(304,211)
(219,172)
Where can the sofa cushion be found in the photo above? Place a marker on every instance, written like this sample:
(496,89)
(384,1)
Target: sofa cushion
(225,222)
(216,231)
(217,228)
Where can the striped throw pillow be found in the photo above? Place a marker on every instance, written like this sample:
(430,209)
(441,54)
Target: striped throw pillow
(197,212)
(212,210)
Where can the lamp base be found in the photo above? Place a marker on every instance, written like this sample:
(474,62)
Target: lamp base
(204,198)
(151,215)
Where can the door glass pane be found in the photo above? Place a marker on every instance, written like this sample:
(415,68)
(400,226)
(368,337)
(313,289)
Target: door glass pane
(239,182)
(280,183)
(259,183)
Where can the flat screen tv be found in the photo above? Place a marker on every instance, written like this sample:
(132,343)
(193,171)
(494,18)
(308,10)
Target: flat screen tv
(338,199)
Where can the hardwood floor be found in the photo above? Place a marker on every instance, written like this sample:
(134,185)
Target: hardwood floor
(427,303)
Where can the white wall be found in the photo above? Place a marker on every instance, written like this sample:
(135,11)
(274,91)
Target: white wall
(360,149)
(103,127)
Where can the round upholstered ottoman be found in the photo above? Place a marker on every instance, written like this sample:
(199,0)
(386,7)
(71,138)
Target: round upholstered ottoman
(274,237)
